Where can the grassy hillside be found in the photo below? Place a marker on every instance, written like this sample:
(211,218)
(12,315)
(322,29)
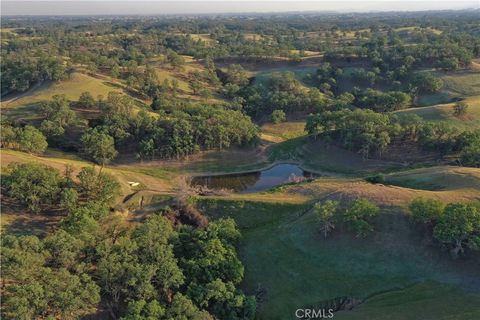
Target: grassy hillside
(123,174)
(25,106)
(283,131)
(427,300)
(72,88)
(456,85)
(437,178)
(320,156)
(463,85)
(183,77)
(444,112)
(296,267)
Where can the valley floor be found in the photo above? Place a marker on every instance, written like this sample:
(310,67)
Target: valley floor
(396,272)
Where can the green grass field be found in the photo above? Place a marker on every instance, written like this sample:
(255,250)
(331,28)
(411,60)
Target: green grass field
(298,268)
(426,300)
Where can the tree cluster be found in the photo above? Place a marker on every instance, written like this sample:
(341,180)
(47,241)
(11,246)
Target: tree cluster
(455,225)
(356,217)
(152,270)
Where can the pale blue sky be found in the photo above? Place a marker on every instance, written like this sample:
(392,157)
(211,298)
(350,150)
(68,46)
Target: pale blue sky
(72,7)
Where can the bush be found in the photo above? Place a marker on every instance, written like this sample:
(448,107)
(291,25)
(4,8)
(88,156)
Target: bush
(86,100)
(278,116)
(376,178)
(99,187)
(460,109)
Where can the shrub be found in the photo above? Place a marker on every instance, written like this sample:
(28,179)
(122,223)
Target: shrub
(376,178)
(460,109)
(278,116)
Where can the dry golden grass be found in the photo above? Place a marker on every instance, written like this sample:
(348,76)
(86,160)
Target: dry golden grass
(72,88)
(463,184)
(254,36)
(205,37)
(283,131)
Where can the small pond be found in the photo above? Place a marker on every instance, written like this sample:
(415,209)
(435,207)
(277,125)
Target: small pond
(254,181)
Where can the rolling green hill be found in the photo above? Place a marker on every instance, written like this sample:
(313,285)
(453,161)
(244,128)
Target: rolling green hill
(295,267)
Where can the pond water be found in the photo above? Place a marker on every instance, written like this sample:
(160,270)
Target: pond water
(254,181)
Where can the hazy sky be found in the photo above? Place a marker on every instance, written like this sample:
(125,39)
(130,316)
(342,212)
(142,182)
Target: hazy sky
(21,7)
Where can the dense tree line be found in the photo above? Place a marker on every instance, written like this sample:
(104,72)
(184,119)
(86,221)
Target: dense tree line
(175,134)
(41,188)
(281,91)
(28,138)
(153,270)
(39,49)
(359,130)
(371,133)
(20,70)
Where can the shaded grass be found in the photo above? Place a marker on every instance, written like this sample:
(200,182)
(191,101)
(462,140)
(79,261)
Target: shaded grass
(20,222)
(427,300)
(437,178)
(262,77)
(320,156)
(457,85)
(284,254)
(429,99)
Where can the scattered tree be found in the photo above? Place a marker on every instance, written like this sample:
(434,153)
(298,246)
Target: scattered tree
(426,211)
(459,227)
(358,216)
(325,215)
(460,109)
(99,146)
